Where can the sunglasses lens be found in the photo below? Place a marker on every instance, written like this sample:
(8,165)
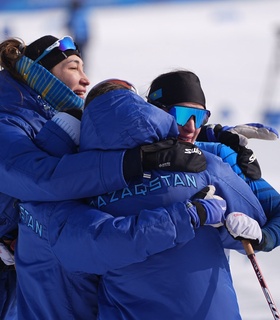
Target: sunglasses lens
(201,118)
(183,115)
(66,43)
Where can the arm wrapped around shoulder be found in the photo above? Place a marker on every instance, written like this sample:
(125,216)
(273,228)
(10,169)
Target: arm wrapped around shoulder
(237,135)
(172,155)
(237,138)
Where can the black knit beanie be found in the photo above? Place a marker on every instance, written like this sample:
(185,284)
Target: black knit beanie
(176,87)
(36,48)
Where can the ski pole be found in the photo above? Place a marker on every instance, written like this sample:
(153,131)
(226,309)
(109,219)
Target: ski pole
(251,255)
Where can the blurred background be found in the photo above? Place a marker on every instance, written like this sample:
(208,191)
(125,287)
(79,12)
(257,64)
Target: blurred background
(232,45)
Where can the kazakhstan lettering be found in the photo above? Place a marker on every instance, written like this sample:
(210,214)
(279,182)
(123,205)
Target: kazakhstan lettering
(166,181)
(30,222)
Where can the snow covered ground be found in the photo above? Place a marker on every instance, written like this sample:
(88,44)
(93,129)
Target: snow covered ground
(231,45)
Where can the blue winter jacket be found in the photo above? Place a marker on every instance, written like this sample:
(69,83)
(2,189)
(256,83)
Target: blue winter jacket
(102,265)
(149,124)
(189,281)
(28,173)
(63,245)
(55,141)
(69,238)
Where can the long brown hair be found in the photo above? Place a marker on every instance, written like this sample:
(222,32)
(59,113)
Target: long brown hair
(11,50)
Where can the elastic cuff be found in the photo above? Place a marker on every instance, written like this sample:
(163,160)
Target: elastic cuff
(69,124)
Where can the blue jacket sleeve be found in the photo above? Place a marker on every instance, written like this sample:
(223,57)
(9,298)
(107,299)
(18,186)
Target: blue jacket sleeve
(54,140)
(225,153)
(84,239)
(268,197)
(270,201)
(28,173)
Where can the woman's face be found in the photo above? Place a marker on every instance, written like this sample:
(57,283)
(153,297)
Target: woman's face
(188,132)
(71,72)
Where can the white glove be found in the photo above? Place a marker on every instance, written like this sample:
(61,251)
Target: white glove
(241,226)
(6,256)
(253,131)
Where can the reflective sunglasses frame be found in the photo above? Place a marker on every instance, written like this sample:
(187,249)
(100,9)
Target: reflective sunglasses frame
(63,44)
(182,114)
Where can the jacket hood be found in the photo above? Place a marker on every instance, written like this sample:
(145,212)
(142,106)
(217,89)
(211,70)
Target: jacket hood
(121,119)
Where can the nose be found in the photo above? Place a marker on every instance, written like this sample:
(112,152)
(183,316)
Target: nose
(190,125)
(84,80)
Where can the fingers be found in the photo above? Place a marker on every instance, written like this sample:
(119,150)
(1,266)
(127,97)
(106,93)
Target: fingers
(256,131)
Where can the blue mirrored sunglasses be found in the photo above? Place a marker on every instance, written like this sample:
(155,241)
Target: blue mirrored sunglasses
(183,114)
(66,43)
